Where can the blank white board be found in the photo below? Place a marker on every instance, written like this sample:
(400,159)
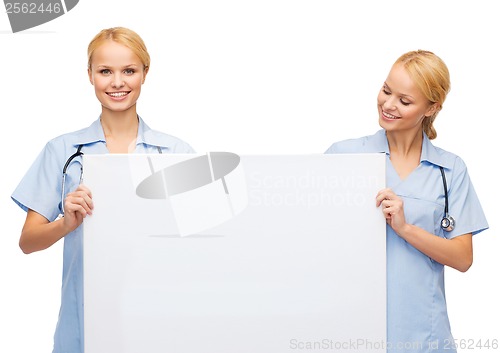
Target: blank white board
(226,253)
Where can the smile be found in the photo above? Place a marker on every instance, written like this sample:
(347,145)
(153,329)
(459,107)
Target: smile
(390,116)
(117,94)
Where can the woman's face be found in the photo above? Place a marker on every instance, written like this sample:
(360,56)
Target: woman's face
(401,105)
(117,75)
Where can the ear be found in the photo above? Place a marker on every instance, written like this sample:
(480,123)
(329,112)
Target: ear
(91,79)
(432,110)
(146,70)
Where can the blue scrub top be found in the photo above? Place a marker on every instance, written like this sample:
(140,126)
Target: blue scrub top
(40,191)
(417,318)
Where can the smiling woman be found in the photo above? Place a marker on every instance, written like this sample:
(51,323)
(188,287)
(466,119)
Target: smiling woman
(419,244)
(117,68)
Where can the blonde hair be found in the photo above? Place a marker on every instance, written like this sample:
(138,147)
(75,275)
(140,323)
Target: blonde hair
(123,36)
(432,77)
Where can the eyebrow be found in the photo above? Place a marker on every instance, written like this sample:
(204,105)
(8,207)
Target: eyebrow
(102,66)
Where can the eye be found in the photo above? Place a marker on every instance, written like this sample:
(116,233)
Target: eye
(105,71)
(129,71)
(406,103)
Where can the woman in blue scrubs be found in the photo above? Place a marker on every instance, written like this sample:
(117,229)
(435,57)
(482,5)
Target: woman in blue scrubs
(118,63)
(418,246)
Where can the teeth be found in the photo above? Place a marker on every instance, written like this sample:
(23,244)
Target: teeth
(390,116)
(118,94)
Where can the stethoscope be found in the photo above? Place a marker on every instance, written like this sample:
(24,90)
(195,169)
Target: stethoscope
(447,223)
(65,168)
(66,165)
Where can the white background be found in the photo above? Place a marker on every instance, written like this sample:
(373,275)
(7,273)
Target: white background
(251,77)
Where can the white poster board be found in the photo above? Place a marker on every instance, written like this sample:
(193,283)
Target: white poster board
(226,253)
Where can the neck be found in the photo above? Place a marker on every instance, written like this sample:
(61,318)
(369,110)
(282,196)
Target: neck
(120,131)
(119,123)
(405,145)
(405,150)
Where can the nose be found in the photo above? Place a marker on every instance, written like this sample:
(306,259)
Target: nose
(117,81)
(390,103)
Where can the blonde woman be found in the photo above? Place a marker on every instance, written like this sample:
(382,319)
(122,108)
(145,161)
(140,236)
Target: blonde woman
(51,191)
(430,205)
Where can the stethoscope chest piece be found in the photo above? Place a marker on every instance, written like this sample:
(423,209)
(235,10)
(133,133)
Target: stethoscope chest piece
(448,223)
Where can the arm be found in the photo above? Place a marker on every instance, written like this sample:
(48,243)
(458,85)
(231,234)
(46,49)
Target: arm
(39,234)
(456,252)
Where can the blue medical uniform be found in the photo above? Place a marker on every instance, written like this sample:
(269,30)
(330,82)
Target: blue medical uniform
(417,318)
(40,191)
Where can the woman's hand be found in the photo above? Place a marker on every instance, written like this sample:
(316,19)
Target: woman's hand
(77,205)
(392,208)
(39,233)
(456,252)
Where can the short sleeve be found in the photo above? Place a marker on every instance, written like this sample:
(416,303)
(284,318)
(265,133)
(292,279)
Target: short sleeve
(464,205)
(39,189)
